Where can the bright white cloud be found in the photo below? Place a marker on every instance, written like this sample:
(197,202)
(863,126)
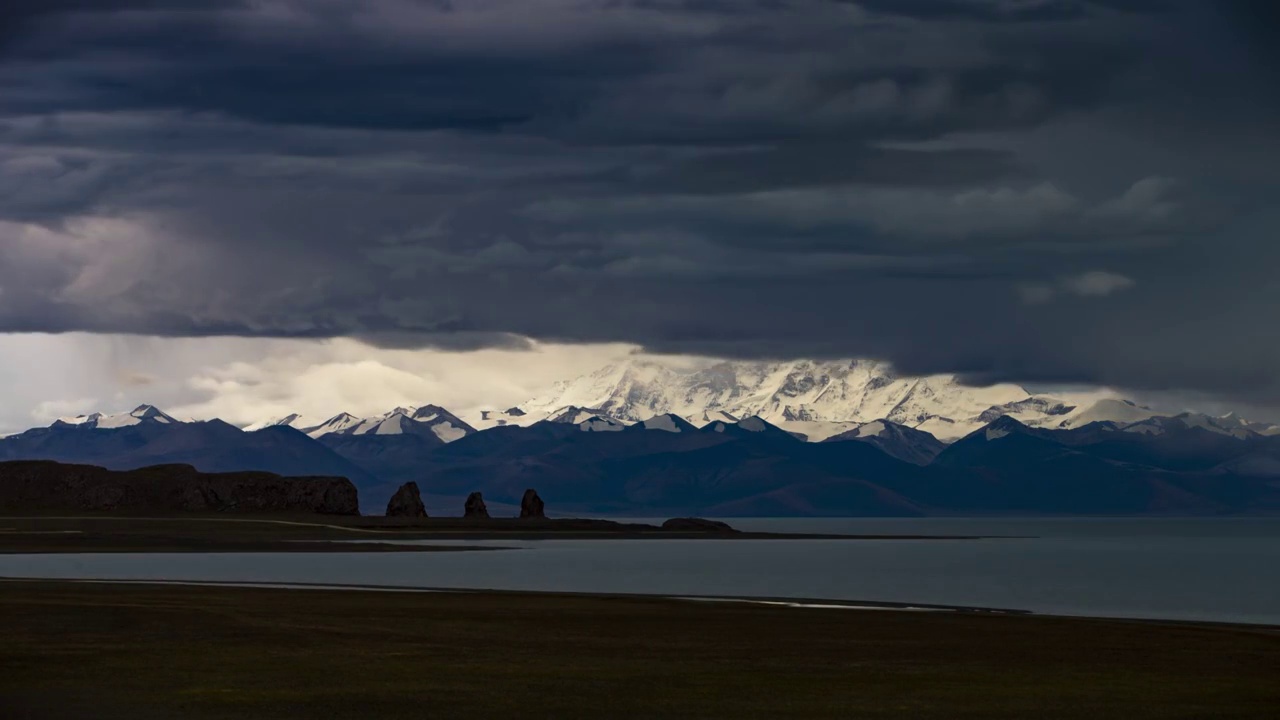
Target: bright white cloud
(244,380)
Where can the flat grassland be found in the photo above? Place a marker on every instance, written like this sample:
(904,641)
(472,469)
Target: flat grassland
(143,652)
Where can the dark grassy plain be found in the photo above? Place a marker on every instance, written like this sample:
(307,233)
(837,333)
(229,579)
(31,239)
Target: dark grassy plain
(76,650)
(316,533)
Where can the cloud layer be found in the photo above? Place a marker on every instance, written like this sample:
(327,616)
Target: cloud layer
(1050,191)
(247,380)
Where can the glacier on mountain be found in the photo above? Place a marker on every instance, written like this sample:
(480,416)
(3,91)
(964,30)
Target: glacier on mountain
(425,420)
(294,420)
(818,399)
(139,415)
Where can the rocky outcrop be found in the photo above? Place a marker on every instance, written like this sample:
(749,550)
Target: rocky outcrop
(407,502)
(475,507)
(531,506)
(41,486)
(691,524)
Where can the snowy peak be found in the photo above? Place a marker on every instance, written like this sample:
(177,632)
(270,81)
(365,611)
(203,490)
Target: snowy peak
(574,415)
(801,395)
(706,417)
(143,414)
(288,420)
(1113,410)
(293,420)
(90,419)
(1225,425)
(1155,426)
(427,413)
(599,424)
(1002,426)
(485,419)
(666,422)
(337,424)
(434,419)
(876,428)
(427,421)
(908,444)
(753,427)
(397,423)
(1231,421)
(151,412)
(1003,440)
(1031,406)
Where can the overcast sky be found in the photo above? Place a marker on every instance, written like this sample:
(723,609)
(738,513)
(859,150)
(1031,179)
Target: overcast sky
(1052,192)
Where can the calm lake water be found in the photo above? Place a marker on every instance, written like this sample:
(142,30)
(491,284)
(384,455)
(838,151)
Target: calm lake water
(1188,569)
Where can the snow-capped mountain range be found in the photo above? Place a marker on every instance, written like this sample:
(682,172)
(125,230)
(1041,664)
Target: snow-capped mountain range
(847,399)
(816,399)
(1227,424)
(1096,459)
(139,415)
(914,446)
(425,420)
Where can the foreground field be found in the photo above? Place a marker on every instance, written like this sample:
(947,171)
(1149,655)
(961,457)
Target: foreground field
(143,652)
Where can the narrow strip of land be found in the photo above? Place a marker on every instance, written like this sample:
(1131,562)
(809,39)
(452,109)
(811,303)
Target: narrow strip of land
(113,533)
(791,602)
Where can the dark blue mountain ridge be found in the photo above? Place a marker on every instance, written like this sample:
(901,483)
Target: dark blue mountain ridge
(727,468)
(211,446)
(905,443)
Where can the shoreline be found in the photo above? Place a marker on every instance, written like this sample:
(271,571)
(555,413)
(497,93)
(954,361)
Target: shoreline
(797,603)
(806,603)
(60,534)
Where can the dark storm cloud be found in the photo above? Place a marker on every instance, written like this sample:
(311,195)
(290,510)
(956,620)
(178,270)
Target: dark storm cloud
(985,10)
(17,12)
(805,164)
(1017,11)
(1039,190)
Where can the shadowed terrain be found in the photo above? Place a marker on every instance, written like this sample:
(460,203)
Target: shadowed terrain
(144,652)
(52,487)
